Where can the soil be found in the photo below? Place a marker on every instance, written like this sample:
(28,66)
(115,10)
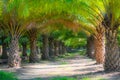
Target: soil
(78,67)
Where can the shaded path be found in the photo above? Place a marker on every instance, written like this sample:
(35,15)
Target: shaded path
(77,67)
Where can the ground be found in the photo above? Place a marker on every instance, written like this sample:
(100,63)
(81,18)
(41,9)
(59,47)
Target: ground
(77,67)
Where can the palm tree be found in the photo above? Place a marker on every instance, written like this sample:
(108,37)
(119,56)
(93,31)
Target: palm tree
(45,49)
(14,16)
(33,45)
(99,45)
(90,47)
(90,19)
(51,47)
(112,23)
(105,16)
(24,41)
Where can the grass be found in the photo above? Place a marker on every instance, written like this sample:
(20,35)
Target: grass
(63,78)
(82,52)
(87,78)
(69,78)
(63,63)
(36,79)
(73,54)
(67,55)
(7,76)
(57,78)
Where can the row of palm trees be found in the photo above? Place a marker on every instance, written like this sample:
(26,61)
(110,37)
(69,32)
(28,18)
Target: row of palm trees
(49,49)
(17,17)
(98,17)
(105,16)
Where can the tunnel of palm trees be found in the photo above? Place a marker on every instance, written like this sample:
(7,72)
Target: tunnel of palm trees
(59,40)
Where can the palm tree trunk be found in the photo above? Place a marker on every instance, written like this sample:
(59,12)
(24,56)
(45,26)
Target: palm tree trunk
(45,51)
(51,47)
(33,58)
(112,56)
(90,47)
(4,49)
(99,49)
(64,49)
(14,59)
(24,46)
(56,48)
(60,47)
(99,44)
(24,51)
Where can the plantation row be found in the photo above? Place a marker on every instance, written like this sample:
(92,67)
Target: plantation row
(99,19)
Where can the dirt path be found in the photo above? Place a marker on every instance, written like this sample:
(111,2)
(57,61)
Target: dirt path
(77,67)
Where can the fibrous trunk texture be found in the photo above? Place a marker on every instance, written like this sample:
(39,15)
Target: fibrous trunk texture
(45,51)
(24,51)
(90,47)
(64,51)
(51,47)
(60,48)
(99,45)
(56,47)
(33,58)
(112,56)
(14,59)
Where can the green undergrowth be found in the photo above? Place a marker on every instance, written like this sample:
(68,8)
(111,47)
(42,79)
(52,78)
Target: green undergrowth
(7,76)
(67,55)
(73,54)
(57,78)
(63,63)
(87,78)
(63,78)
(82,52)
(69,78)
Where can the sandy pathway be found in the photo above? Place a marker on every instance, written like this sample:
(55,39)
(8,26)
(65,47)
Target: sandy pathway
(77,67)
